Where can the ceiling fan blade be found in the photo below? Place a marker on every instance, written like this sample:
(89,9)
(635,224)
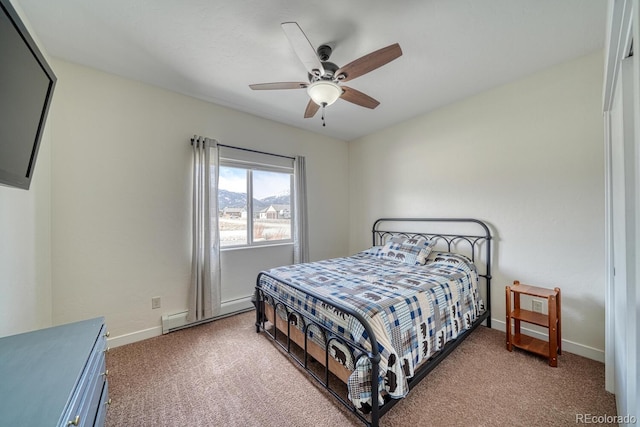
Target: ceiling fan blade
(368,62)
(358,98)
(280,85)
(311,110)
(303,48)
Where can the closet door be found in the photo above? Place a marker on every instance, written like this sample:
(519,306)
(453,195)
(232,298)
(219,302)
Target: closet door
(621,102)
(622,205)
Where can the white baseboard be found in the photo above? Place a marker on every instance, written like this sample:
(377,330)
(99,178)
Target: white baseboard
(235,306)
(569,346)
(177,321)
(134,336)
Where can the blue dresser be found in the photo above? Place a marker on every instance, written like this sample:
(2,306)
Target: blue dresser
(55,376)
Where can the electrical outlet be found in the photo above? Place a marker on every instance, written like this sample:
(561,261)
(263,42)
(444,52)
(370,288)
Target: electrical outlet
(536,306)
(155,302)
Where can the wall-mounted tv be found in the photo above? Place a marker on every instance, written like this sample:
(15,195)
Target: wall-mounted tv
(26,88)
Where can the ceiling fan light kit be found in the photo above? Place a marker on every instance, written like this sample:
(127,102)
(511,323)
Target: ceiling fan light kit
(324,92)
(324,76)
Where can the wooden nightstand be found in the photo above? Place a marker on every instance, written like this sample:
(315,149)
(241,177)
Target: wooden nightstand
(549,349)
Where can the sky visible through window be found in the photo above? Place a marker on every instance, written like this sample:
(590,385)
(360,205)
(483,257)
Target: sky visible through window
(232,179)
(265,183)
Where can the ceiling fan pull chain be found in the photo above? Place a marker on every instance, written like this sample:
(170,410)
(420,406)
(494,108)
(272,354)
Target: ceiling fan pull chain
(324,104)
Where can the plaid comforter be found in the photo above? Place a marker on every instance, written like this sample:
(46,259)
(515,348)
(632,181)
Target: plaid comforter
(413,310)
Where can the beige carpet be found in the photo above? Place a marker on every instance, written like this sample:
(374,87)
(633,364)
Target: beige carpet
(224,374)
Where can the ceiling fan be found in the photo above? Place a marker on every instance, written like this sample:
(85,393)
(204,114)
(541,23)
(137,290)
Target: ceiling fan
(324,86)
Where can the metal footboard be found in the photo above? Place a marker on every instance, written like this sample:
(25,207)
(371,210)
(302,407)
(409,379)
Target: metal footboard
(264,298)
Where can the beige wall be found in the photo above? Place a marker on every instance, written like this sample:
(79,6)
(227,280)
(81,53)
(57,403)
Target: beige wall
(527,158)
(25,251)
(121,194)
(25,243)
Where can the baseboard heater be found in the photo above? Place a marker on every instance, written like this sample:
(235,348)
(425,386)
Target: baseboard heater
(177,321)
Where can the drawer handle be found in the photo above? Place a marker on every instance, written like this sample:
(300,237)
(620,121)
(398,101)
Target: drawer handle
(75,422)
(105,373)
(107,350)
(108,334)
(108,402)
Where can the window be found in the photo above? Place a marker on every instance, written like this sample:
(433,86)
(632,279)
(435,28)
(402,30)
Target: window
(254,202)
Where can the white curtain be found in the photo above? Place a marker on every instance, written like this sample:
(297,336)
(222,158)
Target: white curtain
(204,291)
(300,227)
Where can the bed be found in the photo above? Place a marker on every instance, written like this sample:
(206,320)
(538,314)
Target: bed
(380,320)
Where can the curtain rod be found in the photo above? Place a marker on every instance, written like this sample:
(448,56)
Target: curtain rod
(253,151)
(256,151)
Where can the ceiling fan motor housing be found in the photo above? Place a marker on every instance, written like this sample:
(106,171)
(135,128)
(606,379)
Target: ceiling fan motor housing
(324,52)
(329,71)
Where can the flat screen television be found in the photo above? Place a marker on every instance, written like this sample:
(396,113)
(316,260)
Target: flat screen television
(26,88)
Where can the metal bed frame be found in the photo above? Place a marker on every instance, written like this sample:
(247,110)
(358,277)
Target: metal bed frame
(478,248)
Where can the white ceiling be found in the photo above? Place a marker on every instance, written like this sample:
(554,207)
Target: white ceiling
(213,49)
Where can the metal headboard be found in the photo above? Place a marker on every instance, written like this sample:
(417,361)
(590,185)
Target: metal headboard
(475,243)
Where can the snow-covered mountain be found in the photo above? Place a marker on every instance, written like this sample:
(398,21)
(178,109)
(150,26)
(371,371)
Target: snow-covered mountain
(231,199)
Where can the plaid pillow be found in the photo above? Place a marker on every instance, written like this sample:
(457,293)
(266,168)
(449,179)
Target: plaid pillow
(406,249)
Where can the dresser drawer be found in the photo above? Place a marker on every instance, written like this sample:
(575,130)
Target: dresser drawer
(92,398)
(104,404)
(86,397)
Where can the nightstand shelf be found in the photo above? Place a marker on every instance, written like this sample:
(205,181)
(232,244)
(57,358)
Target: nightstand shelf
(531,317)
(552,321)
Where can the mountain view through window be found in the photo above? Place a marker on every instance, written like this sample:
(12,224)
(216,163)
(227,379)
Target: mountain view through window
(253,200)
